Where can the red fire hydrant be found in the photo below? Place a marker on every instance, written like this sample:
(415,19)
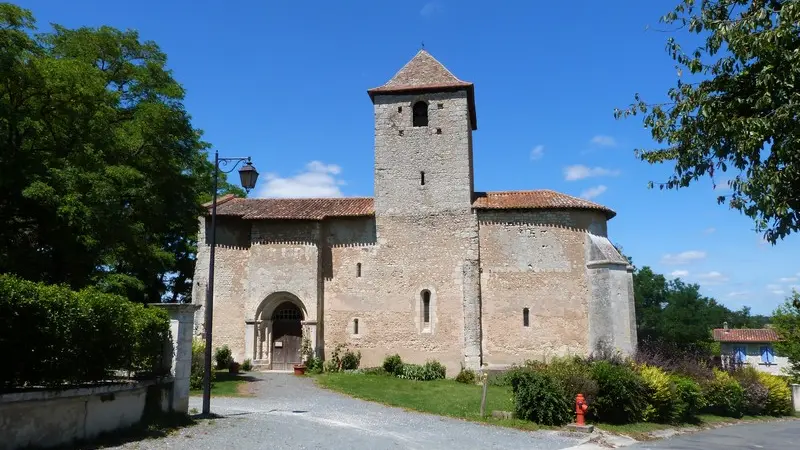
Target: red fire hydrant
(580,409)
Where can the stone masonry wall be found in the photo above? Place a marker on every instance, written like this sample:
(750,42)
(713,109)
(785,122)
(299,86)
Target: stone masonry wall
(534,260)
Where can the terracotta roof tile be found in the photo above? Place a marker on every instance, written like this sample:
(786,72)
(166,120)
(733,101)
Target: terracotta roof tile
(539,199)
(320,208)
(745,335)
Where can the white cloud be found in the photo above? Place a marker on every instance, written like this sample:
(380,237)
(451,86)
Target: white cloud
(680,273)
(778,292)
(773,287)
(710,230)
(430,9)
(788,279)
(537,152)
(683,257)
(318,180)
(712,277)
(579,172)
(738,293)
(723,185)
(604,141)
(593,192)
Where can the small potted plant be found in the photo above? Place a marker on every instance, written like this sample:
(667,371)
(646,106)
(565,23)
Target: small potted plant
(233,367)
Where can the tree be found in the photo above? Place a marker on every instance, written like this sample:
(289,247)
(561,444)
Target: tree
(733,114)
(786,322)
(101,171)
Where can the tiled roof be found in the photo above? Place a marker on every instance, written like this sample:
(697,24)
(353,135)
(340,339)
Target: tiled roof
(425,73)
(320,208)
(539,199)
(745,335)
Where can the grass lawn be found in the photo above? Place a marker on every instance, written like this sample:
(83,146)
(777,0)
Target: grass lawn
(442,397)
(228,385)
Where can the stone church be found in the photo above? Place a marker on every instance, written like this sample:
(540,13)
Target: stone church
(429,267)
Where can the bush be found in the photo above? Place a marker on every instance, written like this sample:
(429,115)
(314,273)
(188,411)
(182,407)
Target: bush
(314,365)
(350,360)
(197,368)
(621,393)
(689,398)
(779,399)
(755,393)
(539,398)
(574,375)
(223,357)
(432,370)
(662,396)
(247,365)
(393,364)
(341,359)
(466,376)
(52,335)
(373,371)
(724,395)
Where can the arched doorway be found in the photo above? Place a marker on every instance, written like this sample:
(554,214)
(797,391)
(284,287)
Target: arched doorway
(287,336)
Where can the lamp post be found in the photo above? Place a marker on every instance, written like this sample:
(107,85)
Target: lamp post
(248,176)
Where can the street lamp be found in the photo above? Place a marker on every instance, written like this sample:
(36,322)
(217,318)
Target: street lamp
(248,176)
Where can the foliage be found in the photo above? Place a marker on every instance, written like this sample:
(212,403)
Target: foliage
(662,399)
(223,357)
(198,365)
(574,376)
(621,394)
(689,398)
(733,113)
(432,370)
(306,350)
(691,361)
(393,364)
(466,376)
(342,358)
(52,335)
(351,360)
(755,393)
(314,365)
(247,365)
(786,322)
(372,371)
(724,395)
(540,398)
(779,400)
(102,172)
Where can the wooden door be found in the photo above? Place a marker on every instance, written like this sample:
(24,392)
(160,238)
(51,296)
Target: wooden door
(287,333)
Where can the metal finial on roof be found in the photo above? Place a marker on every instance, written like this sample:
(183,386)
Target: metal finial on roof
(423,45)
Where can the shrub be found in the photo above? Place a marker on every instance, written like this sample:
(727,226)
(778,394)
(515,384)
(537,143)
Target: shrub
(314,365)
(662,396)
(197,368)
(432,370)
(373,371)
(466,376)
(574,375)
(223,357)
(341,359)
(621,393)
(247,365)
(694,361)
(779,400)
(755,393)
(393,364)
(539,398)
(350,360)
(724,395)
(52,335)
(689,398)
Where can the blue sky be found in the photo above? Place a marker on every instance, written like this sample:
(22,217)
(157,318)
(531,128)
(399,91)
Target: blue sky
(286,83)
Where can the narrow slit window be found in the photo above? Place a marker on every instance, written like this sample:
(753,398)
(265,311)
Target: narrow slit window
(422,178)
(399,109)
(355,326)
(358,270)
(526,317)
(426,307)
(420,113)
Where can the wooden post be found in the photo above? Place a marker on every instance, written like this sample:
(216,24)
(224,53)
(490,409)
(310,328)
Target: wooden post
(485,379)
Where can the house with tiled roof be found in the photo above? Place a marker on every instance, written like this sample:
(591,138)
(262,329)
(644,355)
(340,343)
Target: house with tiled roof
(753,347)
(429,267)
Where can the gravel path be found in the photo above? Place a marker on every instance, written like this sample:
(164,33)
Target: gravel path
(291,412)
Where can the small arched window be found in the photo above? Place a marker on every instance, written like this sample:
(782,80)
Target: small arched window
(426,307)
(358,270)
(420,111)
(526,317)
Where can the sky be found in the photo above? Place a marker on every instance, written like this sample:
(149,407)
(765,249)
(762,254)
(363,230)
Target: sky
(286,83)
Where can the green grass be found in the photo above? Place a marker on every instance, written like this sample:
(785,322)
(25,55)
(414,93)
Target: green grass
(442,397)
(227,384)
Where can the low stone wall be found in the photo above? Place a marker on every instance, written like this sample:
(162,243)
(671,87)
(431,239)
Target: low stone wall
(796,397)
(43,419)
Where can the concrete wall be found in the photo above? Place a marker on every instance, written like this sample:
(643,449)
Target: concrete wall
(50,418)
(754,357)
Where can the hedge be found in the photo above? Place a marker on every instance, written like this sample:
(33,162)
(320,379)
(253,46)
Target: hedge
(51,335)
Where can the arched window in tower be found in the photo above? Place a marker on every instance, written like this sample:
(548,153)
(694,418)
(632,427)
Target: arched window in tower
(426,307)
(420,111)
(526,317)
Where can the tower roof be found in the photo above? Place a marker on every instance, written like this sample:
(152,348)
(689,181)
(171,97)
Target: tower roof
(425,74)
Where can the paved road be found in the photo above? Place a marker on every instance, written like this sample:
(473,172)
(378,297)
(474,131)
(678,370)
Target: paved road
(292,413)
(771,435)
